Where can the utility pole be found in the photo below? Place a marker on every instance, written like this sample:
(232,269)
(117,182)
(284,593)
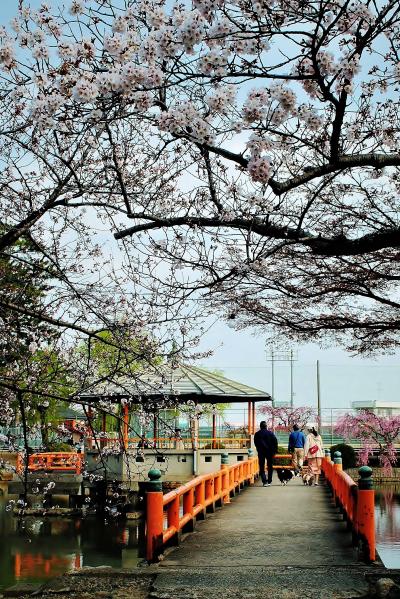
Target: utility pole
(319,396)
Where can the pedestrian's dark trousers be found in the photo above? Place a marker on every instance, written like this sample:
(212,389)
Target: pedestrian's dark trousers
(261,462)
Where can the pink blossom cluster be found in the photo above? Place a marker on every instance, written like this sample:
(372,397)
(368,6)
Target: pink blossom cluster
(259,168)
(214,62)
(76,7)
(310,117)
(287,416)
(222,99)
(185,120)
(7,54)
(249,45)
(326,63)
(255,106)
(192,30)
(219,30)
(375,432)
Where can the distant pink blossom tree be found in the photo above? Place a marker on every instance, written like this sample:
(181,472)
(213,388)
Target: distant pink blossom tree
(287,416)
(374,432)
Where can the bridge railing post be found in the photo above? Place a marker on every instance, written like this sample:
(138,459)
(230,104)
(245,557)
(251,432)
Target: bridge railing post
(209,491)
(200,496)
(366,511)
(188,505)
(250,455)
(338,467)
(154,515)
(225,477)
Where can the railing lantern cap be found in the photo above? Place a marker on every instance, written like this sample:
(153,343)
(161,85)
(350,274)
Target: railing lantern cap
(337,457)
(155,483)
(154,474)
(224,458)
(365,482)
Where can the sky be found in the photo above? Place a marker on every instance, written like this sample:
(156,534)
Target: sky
(242,356)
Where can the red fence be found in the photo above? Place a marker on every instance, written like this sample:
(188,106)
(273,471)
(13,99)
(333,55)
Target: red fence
(52,462)
(356,502)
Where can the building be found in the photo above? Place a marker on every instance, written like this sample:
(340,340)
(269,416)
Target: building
(378,407)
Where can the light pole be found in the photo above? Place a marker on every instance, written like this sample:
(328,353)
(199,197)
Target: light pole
(282,356)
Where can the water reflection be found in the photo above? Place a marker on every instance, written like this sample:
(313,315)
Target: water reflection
(41,548)
(387,516)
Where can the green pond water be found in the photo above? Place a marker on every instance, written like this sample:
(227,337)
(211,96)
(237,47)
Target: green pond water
(36,549)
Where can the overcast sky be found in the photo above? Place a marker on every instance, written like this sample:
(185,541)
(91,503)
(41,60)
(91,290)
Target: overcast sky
(242,356)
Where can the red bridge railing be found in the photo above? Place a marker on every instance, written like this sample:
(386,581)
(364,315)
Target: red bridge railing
(357,501)
(52,462)
(168,515)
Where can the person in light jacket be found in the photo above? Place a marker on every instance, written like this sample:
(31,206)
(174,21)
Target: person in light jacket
(313,453)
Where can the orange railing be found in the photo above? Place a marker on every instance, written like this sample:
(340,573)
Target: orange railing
(356,503)
(168,515)
(282,456)
(173,443)
(52,462)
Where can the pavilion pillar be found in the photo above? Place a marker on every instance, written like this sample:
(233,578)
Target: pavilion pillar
(249,418)
(253,416)
(214,431)
(125,426)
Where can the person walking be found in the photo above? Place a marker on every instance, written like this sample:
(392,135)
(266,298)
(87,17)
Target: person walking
(313,452)
(267,445)
(296,448)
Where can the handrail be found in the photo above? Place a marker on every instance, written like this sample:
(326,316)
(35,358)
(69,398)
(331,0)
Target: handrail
(356,503)
(198,495)
(52,461)
(207,443)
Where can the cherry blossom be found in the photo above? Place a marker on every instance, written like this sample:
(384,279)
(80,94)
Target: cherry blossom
(375,432)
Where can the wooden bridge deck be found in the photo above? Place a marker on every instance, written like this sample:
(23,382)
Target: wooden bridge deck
(278,541)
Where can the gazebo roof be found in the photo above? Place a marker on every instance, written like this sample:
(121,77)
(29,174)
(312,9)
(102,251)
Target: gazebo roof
(182,383)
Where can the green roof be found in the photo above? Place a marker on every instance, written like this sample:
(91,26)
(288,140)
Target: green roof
(187,382)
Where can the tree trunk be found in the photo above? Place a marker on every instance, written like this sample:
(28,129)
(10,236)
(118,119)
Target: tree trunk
(44,429)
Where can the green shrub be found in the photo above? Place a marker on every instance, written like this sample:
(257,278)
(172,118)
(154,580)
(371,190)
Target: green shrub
(58,446)
(349,457)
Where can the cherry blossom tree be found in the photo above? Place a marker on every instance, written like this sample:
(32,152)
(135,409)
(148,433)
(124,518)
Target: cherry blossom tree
(286,416)
(375,432)
(244,153)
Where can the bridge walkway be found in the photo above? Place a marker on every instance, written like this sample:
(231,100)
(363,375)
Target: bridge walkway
(279,541)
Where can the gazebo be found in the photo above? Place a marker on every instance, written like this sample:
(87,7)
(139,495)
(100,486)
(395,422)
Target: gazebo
(179,384)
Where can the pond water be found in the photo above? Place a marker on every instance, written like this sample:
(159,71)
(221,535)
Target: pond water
(387,523)
(35,549)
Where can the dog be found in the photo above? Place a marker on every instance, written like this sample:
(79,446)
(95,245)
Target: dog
(285,475)
(306,476)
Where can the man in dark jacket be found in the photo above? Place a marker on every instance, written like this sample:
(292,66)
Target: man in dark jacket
(267,445)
